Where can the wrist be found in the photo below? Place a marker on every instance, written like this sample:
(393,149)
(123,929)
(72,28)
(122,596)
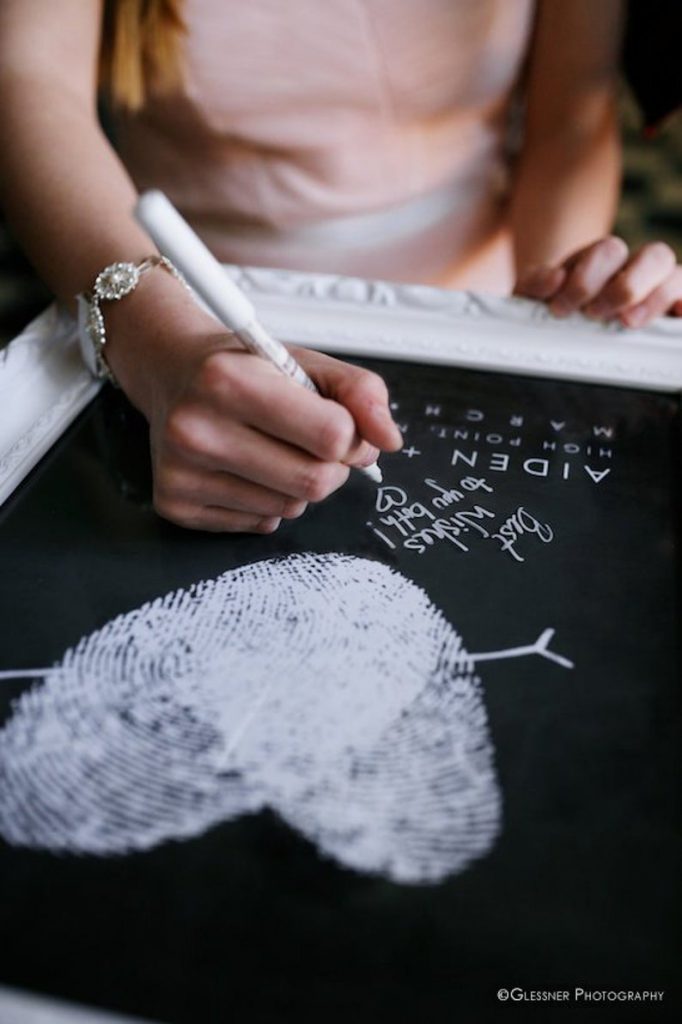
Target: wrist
(154,332)
(113,283)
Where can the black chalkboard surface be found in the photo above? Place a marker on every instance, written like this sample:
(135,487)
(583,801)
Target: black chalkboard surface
(518,506)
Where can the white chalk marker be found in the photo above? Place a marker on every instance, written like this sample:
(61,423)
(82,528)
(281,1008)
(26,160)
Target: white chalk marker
(176,240)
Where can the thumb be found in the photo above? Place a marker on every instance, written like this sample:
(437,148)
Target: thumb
(540,282)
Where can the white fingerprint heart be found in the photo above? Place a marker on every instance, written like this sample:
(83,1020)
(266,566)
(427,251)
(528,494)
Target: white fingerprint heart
(325,687)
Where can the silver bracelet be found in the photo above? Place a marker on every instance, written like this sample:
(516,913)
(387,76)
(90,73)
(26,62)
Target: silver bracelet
(111,284)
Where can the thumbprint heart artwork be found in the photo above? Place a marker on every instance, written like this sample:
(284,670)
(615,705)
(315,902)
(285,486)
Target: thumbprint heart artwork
(327,688)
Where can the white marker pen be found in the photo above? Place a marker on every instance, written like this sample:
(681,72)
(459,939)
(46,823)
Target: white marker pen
(176,239)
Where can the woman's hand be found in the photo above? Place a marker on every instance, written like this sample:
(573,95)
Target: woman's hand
(245,446)
(237,446)
(606,281)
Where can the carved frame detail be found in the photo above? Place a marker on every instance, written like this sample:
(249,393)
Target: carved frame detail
(44,384)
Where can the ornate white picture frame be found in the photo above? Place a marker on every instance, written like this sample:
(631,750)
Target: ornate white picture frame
(44,384)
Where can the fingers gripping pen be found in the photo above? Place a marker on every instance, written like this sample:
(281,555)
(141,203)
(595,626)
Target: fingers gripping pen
(176,239)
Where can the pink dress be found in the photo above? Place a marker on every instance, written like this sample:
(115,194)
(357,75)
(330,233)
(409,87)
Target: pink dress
(364,137)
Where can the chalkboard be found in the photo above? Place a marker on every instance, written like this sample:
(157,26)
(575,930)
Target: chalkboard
(538,524)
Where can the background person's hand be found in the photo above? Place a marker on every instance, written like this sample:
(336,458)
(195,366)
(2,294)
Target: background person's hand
(606,281)
(237,446)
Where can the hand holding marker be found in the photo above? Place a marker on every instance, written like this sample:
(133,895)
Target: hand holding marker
(176,240)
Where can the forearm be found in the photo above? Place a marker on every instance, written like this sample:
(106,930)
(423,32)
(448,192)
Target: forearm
(64,191)
(69,200)
(566,188)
